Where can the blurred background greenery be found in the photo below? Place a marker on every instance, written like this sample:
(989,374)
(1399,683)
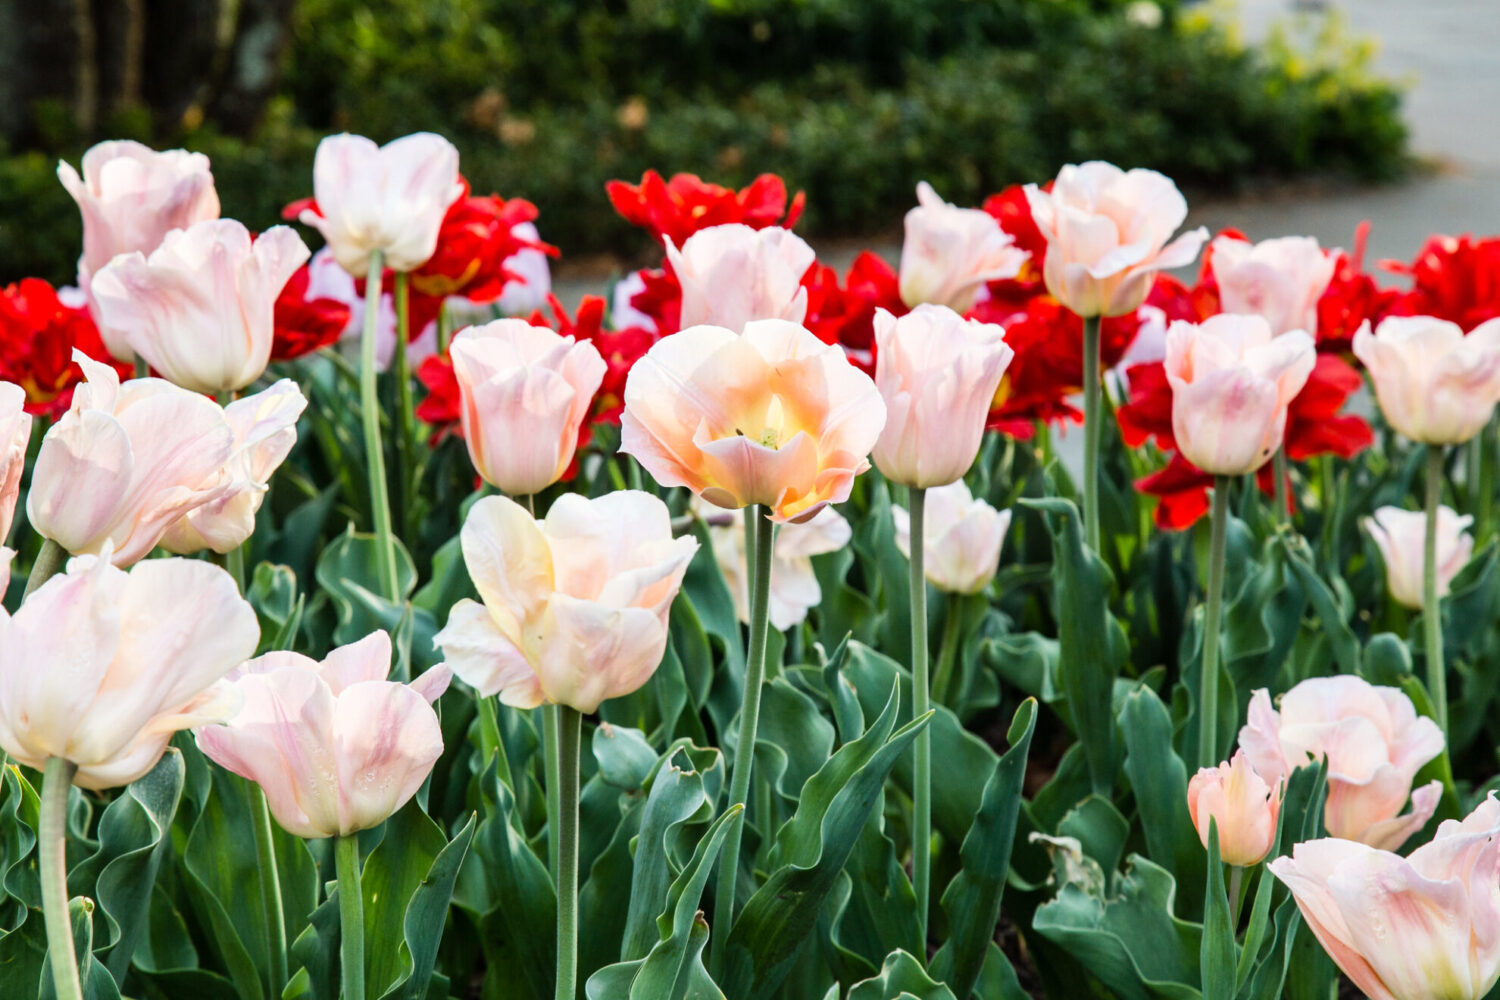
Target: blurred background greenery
(852,100)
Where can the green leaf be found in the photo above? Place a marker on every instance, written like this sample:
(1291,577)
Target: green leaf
(316,951)
(98,984)
(810,853)
(516,953)
(1158,779)
(19,808)
(1332,615)
(625,757)
(1217,959)
(348,570)
(900,978)
(425,912)
(278,604)
(972,899)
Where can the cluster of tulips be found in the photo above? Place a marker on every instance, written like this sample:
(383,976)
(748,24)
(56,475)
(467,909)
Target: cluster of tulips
(747,376)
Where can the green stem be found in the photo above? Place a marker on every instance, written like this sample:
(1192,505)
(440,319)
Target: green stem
(1208,689)
(1484,513)
(369,404)
(49,562)
(921,838)
(52,845)
(1432,615)
(270,889)
(351,915)
(234,565)
(406,432)
(1279,470)
(744,751)
(142,369)
(570,722)
(552,757)
(1236,875)
(948,650)
(1091,430)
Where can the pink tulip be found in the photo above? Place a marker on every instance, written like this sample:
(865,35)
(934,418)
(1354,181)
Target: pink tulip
(265,429)
(1107,232)
(951,253)
(575,605)
(1243,807)
(130,197)
(200,308)
(390,198)
(1433,383)
(962,538)
(335,746)
(1417,928)
(794,585)
(732,275)
(1401,537)
(937,373)
(1232,381)
(101,667)
(1374,741)
(525,393)
(126,462)
(15,436)
(774,416)
(1278,280)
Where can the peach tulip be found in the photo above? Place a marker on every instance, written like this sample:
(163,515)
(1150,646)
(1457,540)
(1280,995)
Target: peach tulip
(15,436)
(951,253)
(200,308)
(265,429)
(130,197)
(1280,280)
(525,392)
(1401,537)
(336,747)
(126,462)
(101,666)
(937,373)
(732,275)
(574,606)
(1424,927)
(961,535)
(794,587)
(1433,383)
(1232,381)
(1107,231)
(1242,805)
(774,416)
(390,198)
(1374,741)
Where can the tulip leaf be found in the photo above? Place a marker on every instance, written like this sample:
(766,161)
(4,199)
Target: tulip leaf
(881,913)
(98,984)
(316,951)
(523,896)
(810,853)
(1158,780)
(1217,959)
(625,758)
(19,808)
(348,571)
(607,883)
(413,955)
(1329,609)
(972,899)
(901,978)
(278,604)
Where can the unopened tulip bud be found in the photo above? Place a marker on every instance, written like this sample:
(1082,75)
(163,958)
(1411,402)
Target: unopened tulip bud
(1279,280)
(732,275)
(1243,807)
(962,538)
(1401,537)
(951,253)
(794,585)
(1434,384)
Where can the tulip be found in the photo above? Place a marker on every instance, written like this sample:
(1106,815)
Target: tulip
(1400,536)
(1279,280)
(336,747)
(772,417)
(525,393)
(125,463)
(99,666)
(1243,807)
(961,535)
(130,197)
(15,436)
(528,290)
(1232,381)
(574,606)
(1417,928)
(265,429)
(794,585)
(201,308)
(1434,384)
(937,374)
(951,253)
(1374,741)
(389,199)
(732,275)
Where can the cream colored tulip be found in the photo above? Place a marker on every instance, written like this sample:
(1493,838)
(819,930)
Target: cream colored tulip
(794,588)
(951,253)
(1279,280)
(15,437)
(1434,384)
(962,538)
(732,275)
(1401,536)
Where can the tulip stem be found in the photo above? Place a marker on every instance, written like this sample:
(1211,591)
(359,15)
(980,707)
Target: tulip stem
(570,723)
(49,562)
(1091,431)
(351,915)
(406,432)
(1236,876)
(942,676)
(52,845)
(1281,472)
(234,565)
(1484,514)
(1208,689)
(921,838)
(1432,614)
(552,759)
(270,888)
(369,404)
(744,750)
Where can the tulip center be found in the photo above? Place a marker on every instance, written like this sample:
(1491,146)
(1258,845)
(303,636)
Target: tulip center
(772,433)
